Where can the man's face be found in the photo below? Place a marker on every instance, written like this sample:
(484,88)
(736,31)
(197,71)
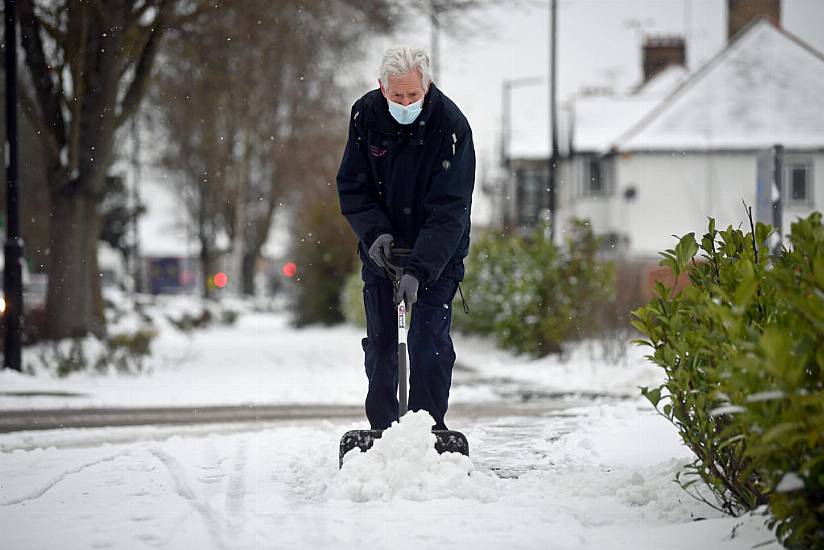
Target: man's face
(404,89)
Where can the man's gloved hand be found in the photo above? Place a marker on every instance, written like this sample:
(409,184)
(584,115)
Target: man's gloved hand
(381,250)
(407,290)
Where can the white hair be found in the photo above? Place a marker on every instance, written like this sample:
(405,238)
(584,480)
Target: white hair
(400,60)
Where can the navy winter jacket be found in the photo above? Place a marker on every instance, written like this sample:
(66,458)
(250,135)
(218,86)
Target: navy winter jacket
(412,181)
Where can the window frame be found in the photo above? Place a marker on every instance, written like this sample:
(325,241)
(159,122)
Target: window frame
(604,166)
(791,163)
(528,212)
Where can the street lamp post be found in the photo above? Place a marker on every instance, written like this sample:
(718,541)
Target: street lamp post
(553,118)
(12,272)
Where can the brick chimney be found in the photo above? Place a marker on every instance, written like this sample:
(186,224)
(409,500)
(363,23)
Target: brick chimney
(662,51)
(741,12)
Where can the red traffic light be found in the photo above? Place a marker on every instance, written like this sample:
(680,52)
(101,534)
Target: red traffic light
(289,269)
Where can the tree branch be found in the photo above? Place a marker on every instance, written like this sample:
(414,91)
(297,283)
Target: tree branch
(47,94)
(55,33)
(140,81)
(138,14)
(32,114)
(176,21)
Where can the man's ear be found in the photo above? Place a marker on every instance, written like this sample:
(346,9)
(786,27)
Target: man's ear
(380,84)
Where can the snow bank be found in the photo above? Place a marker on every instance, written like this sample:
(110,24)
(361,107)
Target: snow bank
(404,464)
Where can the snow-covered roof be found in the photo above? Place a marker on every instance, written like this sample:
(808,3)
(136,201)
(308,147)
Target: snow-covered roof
(599,120)
(665,82)
(589,123)
(529,126)
(765,87)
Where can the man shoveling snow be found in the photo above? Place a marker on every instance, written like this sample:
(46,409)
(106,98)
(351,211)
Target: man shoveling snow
(405,182)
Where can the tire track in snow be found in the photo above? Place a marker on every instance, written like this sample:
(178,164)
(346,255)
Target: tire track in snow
(46,487)
(182,487)
(236,490)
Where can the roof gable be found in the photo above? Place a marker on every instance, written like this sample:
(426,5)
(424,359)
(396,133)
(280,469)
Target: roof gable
(766,87)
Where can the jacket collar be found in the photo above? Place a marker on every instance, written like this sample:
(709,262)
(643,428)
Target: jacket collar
(379,119)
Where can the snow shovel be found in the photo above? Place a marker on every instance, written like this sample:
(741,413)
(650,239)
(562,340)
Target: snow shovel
(446,440)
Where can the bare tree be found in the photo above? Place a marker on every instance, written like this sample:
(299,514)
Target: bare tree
(89,63)
(243,97)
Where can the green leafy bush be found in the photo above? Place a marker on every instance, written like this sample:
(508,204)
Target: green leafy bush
(531,295)
(743,352)
(524,291)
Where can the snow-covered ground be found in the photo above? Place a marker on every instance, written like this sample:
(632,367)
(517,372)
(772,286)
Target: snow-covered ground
(600,479)
(595,476)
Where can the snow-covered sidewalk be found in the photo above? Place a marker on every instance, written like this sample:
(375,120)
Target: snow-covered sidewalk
(599,477)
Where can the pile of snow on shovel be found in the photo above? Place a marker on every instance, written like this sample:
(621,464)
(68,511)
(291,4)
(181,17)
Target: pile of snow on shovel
(404,464)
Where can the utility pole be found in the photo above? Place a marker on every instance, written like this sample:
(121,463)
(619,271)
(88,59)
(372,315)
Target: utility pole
(553,118)
(12,271)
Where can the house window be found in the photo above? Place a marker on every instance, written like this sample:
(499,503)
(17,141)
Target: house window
(799,184)
(595,183)
(530,186)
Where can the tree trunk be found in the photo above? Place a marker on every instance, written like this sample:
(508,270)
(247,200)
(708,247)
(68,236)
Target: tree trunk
(206,261)
(74,304)
(248,276)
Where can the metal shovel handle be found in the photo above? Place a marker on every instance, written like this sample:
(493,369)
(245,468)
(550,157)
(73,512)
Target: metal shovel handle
(403,376)
(394,274)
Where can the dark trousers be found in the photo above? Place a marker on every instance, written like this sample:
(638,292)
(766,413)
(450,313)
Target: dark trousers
(431,355)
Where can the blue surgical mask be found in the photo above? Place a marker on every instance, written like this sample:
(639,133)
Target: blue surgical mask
(407,114)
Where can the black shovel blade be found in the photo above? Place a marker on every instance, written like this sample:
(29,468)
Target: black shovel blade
(447,441)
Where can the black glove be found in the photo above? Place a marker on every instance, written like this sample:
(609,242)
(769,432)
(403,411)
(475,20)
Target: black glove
(407,290)
(381,250)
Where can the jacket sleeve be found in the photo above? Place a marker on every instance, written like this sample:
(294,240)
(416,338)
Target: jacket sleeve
(447,207)
(357,192)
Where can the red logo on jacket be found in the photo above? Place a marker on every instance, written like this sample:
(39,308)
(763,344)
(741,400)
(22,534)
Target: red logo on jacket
(377,151)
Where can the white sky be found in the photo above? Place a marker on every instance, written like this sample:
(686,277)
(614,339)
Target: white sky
(597,47)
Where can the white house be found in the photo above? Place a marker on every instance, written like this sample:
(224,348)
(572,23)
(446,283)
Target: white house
(589,187)
(695,154)
(661,160)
